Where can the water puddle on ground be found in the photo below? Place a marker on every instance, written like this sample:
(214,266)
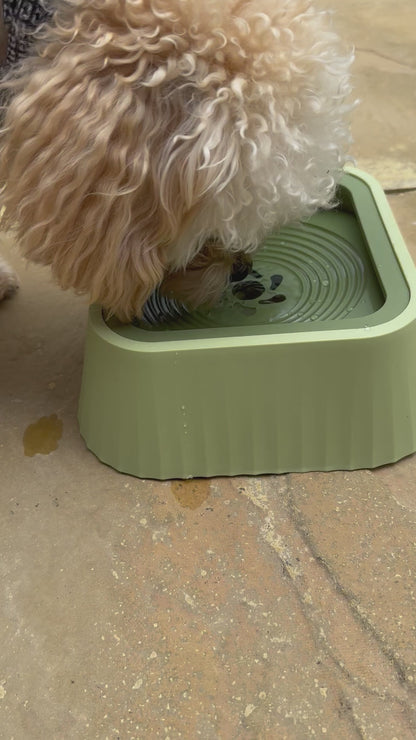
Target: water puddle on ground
(42,437)
(191,494)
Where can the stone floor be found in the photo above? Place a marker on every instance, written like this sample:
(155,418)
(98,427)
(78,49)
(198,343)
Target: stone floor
(248,608)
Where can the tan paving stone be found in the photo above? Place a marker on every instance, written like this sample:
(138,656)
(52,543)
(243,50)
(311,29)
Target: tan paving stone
(383,35)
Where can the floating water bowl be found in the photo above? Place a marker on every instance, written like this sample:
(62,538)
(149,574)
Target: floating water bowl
(308,363)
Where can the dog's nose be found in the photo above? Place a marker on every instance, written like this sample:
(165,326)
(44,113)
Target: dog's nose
(240,268)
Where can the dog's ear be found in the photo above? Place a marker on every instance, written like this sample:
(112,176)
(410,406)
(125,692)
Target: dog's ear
(76,180)
(94,186)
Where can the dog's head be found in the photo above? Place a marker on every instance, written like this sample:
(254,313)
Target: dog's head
(148,142)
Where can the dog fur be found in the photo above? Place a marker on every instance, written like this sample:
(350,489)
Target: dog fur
(148,143)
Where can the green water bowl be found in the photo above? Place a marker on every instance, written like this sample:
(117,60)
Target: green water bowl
(308,363)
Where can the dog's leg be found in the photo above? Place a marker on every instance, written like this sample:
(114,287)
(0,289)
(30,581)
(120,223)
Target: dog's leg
(8,280)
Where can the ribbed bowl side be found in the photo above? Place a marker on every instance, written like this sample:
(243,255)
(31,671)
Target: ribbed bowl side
(340,404)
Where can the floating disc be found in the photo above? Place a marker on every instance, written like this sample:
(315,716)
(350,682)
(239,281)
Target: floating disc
(316,271)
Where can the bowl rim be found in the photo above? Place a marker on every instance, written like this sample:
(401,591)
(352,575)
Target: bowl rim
(391,262)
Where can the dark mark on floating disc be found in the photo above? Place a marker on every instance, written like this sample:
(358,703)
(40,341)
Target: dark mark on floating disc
(275,281)
(256,274)
(248,291)
(274,299)
(240,271)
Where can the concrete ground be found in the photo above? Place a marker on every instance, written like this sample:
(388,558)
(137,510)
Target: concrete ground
(255,608)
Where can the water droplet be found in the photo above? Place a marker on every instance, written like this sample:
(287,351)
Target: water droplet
(43,436)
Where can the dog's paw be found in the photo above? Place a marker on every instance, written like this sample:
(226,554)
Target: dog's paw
(9,282)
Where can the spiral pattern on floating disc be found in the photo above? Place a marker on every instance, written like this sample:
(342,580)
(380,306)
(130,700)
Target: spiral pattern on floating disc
(323,275)
(308,273)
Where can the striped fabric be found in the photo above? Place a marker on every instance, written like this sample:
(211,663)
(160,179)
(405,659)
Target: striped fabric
(21,18)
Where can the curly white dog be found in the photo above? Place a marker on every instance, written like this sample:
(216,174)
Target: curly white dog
(152,142)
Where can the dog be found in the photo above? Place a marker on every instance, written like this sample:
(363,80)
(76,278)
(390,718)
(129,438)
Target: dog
(155,143)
